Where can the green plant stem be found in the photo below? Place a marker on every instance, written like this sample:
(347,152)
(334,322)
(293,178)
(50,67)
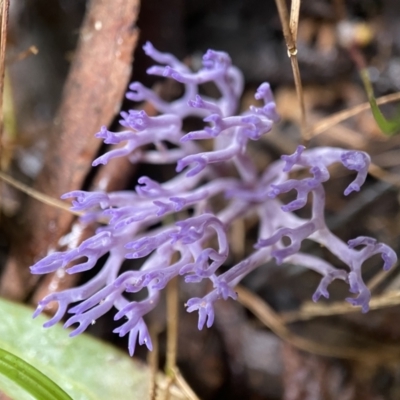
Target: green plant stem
(389,127)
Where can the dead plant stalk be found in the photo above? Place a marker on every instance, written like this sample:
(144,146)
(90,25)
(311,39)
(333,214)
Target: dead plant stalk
(290,28)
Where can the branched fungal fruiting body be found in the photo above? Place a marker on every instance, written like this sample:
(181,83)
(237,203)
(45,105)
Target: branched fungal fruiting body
(132,215)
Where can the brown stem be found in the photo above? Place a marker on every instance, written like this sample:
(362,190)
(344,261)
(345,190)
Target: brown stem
(172,326)
(152,361)
(290,27)
(5,6)
(287,33)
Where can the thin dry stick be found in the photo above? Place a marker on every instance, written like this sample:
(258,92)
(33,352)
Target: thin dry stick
(284,17)
(375,281)
(172,333)
(294,19)
(31,50)
(5,5)
(182,384)
(341,116)
(311,310)
(290,28)
(37,195)
(379,173)
(171,368)
(163,384)
(168,388)
(276,323)
(237,237)
(152,360)
(172,326)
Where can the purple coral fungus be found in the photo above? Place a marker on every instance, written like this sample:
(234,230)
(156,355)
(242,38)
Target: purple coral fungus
(133,215)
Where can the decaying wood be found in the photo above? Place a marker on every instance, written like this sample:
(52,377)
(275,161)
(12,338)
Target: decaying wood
(91,98)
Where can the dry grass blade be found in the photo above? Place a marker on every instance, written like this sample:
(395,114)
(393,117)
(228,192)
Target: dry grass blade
(167,387)
(290,28)
(183,385)
(37,195)
(311,310)
(167,390)
(277,324)
(172,326)
(341,116)
(284,17)
(300,95)
(379,173)
(375,281)
(171,369)
(5,5)
(294,18)
(152,361)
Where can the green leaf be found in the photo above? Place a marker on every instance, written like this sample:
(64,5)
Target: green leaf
(29,378)
(84,367)
(387,126)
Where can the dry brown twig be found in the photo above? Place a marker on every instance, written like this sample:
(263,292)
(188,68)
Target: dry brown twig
(152,362)
(172,326)
(35,194)
(31,50)
(376,280)
(183,385)
(340,134)
(276,323)
(290,28)
(170,392)
(310,310)
(172,333)
(379,173)
(171,369)
(4,6)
